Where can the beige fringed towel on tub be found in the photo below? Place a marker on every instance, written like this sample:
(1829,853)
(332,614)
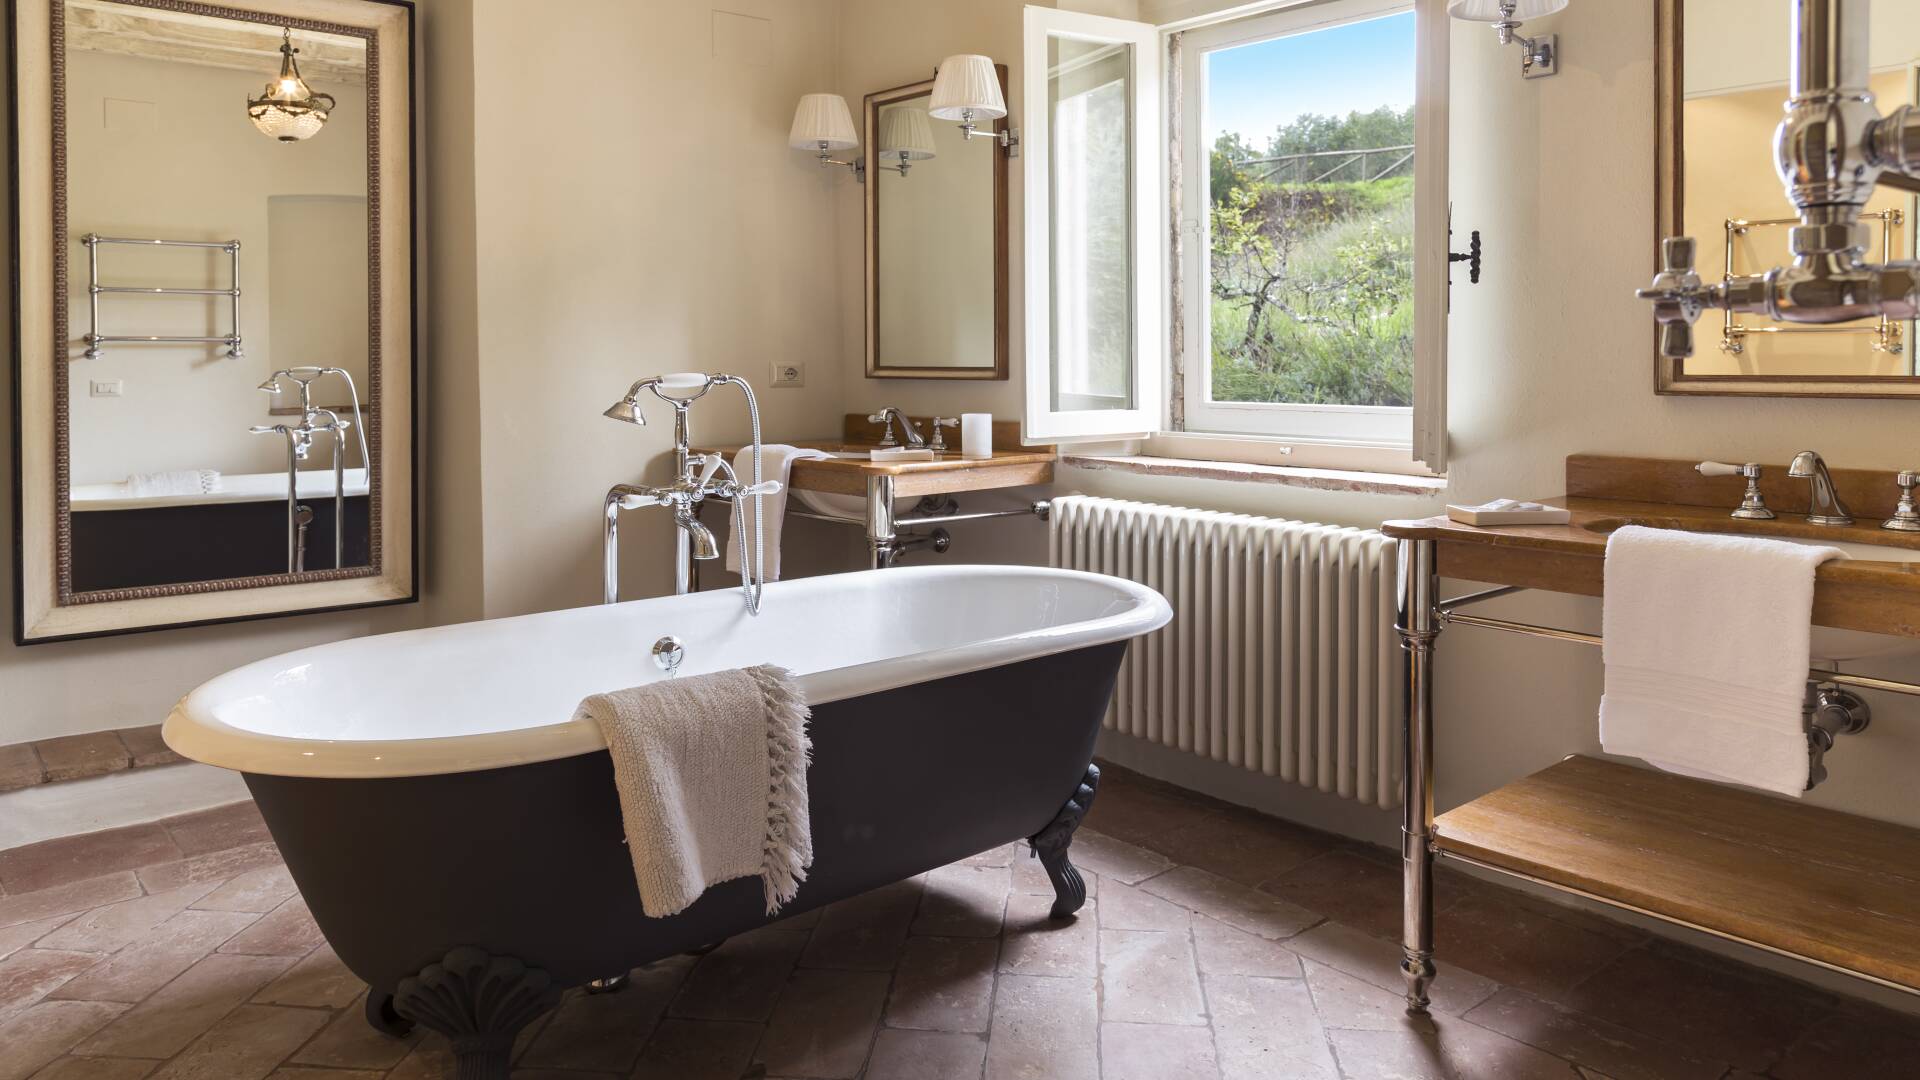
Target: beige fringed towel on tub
(712,772)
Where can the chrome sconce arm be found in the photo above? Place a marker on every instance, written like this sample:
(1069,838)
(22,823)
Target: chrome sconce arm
(1539,56)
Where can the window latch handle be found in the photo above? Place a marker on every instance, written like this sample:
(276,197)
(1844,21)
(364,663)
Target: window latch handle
(1471,257)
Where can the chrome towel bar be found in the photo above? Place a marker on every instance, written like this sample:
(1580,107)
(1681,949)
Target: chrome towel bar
(1448,612)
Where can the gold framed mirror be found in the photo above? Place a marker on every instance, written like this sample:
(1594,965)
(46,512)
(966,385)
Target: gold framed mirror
(1721,78)
(214,281)
(936,241)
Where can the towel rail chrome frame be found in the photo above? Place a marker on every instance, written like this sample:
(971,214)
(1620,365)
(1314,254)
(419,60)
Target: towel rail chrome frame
(1420,616)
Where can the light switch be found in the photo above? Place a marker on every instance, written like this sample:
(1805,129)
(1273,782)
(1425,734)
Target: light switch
(107,387)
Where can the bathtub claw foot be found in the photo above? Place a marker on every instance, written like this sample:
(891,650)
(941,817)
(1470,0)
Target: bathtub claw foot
(479,1002)
(382,1017)
(1052,842)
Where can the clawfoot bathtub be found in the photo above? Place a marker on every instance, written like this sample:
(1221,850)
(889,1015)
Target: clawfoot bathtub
(458,838)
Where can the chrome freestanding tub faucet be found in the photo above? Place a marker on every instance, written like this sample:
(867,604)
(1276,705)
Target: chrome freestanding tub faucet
(693,484)
(1831,150)
(316,421)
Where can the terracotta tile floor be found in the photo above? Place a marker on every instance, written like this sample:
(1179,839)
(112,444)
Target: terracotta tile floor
(1217,945)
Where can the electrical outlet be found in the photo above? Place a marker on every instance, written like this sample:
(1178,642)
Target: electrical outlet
(789,373)
(106,387)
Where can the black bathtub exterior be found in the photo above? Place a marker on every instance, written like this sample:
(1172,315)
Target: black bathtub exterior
(520,875)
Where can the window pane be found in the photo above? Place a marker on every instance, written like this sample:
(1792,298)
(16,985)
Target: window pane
(1091,170)
(1310,211)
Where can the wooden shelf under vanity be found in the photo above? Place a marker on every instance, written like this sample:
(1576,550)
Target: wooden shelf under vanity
(1803,881)
(1829,888)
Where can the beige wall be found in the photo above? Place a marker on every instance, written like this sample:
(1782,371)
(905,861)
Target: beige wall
(619,242)
(160,149)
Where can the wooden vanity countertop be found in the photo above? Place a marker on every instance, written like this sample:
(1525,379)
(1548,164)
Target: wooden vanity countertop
(1605,493)
(946,473)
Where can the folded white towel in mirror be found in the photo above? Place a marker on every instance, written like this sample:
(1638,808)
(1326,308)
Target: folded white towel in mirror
(776,463)
(712,776)
(174,482)
(1706,648)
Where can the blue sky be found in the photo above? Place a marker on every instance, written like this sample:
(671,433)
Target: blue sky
(1359,66)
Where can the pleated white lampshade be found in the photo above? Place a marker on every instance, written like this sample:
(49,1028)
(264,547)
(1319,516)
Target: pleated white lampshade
(1489,10)
(823,118)
(967,82)
(905,132)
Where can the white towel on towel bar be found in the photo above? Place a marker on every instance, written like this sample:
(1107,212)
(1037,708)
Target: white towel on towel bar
(776,463)
(1706,648)
(712,774)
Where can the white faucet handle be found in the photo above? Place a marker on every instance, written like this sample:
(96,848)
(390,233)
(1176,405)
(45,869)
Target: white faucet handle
(714,461)
(764,487)
(1716,468)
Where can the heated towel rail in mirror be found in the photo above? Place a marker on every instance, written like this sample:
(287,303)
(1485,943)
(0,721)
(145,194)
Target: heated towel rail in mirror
(1722,68)
(214,280)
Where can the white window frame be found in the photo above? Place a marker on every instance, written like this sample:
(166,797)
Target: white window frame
(1044,422)
(1417,436)
(1380,426)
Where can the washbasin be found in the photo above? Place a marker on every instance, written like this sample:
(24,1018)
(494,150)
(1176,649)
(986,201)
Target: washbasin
(1828,644)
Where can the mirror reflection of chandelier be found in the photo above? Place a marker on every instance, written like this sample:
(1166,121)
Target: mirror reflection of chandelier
(288,109)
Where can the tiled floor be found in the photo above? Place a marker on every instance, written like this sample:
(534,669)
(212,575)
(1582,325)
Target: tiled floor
(1217,945)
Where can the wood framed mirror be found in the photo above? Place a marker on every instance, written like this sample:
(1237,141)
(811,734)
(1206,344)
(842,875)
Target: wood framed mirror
(213,352)
(936,225)
(1721,80)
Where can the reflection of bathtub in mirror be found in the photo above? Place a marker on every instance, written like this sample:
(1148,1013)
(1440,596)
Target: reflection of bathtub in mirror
(250,487)
(125,541)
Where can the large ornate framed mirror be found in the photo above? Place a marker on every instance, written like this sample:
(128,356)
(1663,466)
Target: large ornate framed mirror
(936,208)
(1721,81)
(214,285)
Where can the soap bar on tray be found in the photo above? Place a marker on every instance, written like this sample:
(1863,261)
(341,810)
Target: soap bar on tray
(1508,512)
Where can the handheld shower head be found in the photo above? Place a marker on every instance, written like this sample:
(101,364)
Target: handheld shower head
(627,410)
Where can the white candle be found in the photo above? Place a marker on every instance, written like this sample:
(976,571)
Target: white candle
(976,435)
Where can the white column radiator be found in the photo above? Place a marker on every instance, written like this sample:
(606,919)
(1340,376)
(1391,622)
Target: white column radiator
(1281,657)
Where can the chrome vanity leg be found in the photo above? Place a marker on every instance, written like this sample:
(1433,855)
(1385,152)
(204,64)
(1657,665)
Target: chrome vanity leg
(1418,622)
(882,548)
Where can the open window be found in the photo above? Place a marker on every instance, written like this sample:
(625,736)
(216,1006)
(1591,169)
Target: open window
(1307,176)
(1094,226)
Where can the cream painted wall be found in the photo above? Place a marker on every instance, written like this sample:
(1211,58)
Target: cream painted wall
(159,149)
(619,242)
(72,687)
(1551,355)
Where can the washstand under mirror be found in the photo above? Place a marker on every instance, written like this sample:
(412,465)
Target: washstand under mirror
(1722,74)
(214,279)
(936,228)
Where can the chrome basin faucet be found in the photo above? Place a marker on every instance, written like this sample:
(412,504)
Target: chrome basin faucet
(886,417)
(1824,506)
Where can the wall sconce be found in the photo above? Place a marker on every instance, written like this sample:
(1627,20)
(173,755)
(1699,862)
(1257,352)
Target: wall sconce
(822,123)
(1539,56)
(288,109)
(906,136)
(966,88)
